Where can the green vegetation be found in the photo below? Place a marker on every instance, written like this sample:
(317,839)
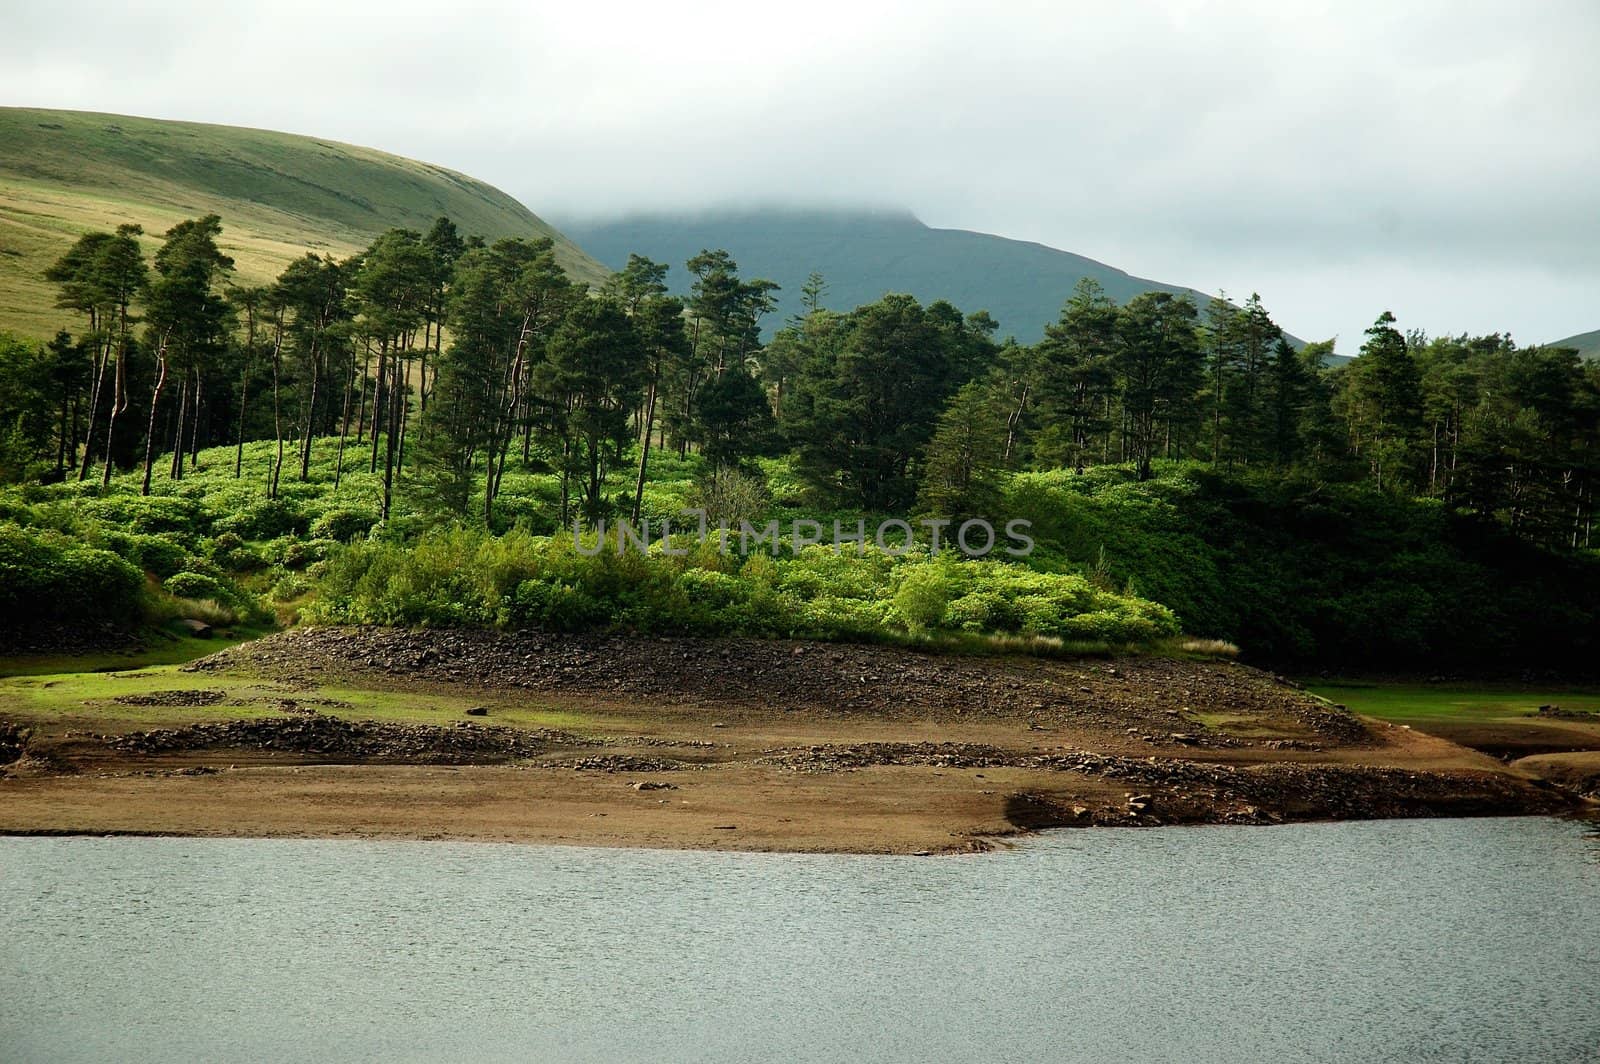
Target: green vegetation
(123,698)
(318,551)
(1306,573)
(411,434)
(1405,703)
(64,173)
(468,577)
(162,648)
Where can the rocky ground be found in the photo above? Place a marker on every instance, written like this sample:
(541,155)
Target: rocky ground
(734,744)
(1157,698)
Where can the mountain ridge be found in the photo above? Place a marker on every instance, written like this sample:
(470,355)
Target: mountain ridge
(865,252)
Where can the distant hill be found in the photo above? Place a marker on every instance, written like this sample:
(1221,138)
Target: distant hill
(863,254)
(1588,344)
(66,172)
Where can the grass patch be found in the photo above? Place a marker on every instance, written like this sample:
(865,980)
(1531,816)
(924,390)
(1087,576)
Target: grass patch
(84,696)
(1407,703)
(164,649)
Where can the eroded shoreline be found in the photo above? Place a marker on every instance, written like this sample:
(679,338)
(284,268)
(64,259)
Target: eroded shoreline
(696,744)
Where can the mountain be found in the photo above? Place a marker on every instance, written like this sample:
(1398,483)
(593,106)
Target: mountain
(862,254)
(66,172)
(1588,344)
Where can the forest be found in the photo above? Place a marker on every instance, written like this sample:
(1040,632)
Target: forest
(412,435)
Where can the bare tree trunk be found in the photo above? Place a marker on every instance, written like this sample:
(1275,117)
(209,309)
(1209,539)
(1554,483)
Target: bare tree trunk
(366,374)
(98,381)
(644,448)
(150,433)
(175,466)
(194,428)
(344,426)
(505,426)
(244,395)
(311,417)
(119,405)
(391,440)
(277,409)
(1013,422)
(61,440)
(379,393)
(402,400)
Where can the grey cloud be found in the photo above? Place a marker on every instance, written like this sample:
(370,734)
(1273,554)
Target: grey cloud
(1341,158)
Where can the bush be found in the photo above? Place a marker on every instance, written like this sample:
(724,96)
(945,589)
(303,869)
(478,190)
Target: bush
(343,524)
(732,495)
(232,554)
(557,607)
(462,576)
(157,555)
(148,515)
(196,586)
(923,598)
(289,586)
(47,577)
(265,519)
(299,554)
(1302,573)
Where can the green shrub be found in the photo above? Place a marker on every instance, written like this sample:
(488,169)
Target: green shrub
(461,576)
(343,524)
(158,555)
(232,554)
(210,611)
(301,553)
(45,576)
(196,586)
(557,607)
(923,598)
(265,519)
(289,586)
(148,515)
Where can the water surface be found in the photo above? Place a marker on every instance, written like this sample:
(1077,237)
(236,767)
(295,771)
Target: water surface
(1450,940)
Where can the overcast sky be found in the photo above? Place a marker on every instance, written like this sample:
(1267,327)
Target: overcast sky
(1339,158)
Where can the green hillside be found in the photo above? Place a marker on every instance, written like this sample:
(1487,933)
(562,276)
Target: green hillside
(65,172)
(863,254)
(1588,344)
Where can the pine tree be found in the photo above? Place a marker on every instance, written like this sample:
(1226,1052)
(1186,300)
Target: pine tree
(1384,394)
(189,319)
(962,473)
(1159,365)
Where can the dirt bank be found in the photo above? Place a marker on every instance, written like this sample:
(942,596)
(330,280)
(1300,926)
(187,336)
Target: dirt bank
(1153,697)
(736,744)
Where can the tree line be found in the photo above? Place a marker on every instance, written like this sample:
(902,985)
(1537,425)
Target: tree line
(437,360)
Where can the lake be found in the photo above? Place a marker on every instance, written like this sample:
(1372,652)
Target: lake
(1448,940)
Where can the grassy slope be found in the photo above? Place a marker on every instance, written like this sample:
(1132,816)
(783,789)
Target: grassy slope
(70,696)
(1421,704)
(1588,344)
(66,172)
(864,254)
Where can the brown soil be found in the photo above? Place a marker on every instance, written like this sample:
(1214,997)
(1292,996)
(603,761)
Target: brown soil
(1578,772)
(743,744)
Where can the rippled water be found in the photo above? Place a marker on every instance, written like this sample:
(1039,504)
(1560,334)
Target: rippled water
(1447,940)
